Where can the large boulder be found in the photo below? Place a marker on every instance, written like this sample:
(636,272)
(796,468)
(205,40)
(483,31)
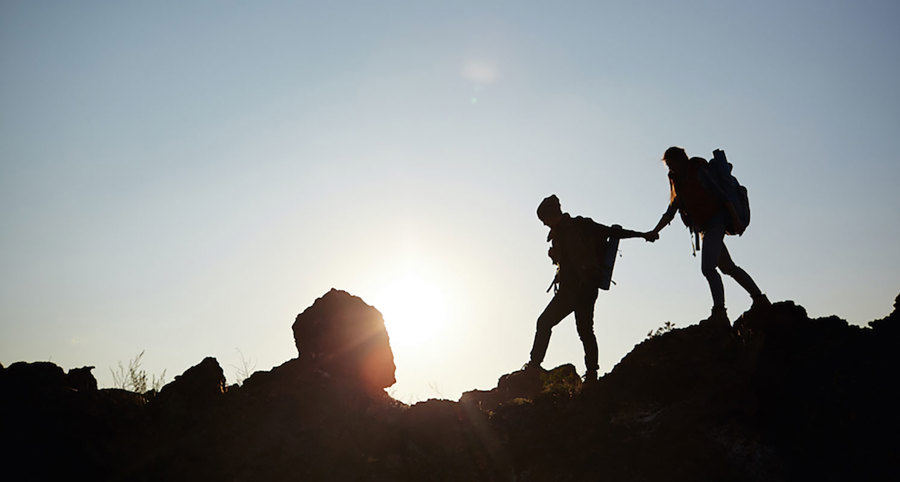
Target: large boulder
(345,337)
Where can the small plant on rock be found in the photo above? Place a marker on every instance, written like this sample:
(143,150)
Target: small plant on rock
(135,379)
(244,370)
(662,330)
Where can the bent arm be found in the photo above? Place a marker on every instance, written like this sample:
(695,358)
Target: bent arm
(666,218)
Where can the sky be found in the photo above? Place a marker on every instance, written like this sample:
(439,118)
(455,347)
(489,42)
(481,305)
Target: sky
(184,178)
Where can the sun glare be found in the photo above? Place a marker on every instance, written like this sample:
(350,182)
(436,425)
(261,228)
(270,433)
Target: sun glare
(414,310)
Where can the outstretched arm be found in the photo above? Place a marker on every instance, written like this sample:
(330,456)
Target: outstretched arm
(623,233)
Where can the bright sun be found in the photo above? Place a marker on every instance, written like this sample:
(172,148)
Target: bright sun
(414,310)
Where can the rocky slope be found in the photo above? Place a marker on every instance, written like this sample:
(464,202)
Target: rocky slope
(781,397)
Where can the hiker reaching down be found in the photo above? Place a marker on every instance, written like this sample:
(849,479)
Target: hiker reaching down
(709,209)
(578,248)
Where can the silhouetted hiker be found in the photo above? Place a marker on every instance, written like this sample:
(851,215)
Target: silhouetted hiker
(577,250)
(706,209)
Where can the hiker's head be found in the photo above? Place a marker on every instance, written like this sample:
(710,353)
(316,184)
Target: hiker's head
(675,156)
(549,211)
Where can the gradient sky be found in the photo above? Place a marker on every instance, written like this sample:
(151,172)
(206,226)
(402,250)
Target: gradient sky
(185,177)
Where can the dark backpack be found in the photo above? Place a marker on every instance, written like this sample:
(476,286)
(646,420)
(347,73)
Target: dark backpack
(600,257)
(609,248)
(720,169)
(592,255)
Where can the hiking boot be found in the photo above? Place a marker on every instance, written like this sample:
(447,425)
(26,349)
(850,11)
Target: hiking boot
(760,301)
(718,318)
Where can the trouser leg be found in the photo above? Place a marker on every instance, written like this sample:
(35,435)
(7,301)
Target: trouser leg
(559,307)
(728,267)
(584,322)
(713,246)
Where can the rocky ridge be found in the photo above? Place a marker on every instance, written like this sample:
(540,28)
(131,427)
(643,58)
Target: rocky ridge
(780,397)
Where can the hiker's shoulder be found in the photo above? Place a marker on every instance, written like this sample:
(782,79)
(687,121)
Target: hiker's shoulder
(589,223)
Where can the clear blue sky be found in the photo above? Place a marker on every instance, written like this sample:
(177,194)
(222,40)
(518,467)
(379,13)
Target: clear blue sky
(185,177)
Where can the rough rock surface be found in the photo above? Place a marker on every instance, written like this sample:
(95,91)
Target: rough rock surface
(198,387)
(343,336)
(781,397)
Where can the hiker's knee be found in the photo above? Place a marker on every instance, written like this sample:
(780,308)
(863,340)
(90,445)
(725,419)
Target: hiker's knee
(545,322)
(728,267)
(708,269)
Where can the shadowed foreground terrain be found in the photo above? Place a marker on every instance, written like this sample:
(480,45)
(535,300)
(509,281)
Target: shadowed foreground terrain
(781,397)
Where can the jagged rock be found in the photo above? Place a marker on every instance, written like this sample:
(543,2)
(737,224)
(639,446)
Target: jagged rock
(56,424)
(889,325)
(341,335)
(522,385)
(784,397)
(37,379)
(82,379)
(199,385)
(45,378)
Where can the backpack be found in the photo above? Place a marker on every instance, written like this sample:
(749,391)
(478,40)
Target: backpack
(609,248)
(601,259)
(720,169)
(593,255)
(697,202)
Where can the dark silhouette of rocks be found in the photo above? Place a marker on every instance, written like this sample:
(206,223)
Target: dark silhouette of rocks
(343,336)
(562,381)
(197,388)
(779,397)
(81,379)
(889,325)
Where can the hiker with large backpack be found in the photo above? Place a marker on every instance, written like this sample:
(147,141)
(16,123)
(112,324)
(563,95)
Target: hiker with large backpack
(712,204)
(583,252)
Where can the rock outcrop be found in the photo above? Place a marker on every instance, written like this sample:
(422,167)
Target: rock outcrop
(196,389)
(780,397)
(343,336)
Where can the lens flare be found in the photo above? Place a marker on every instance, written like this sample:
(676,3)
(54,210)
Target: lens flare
(481,72)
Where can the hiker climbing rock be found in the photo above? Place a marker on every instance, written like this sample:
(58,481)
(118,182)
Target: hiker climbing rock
(712,203)
(579,250)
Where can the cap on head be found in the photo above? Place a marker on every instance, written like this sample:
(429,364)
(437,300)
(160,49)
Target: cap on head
(549,207)
(675,154)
